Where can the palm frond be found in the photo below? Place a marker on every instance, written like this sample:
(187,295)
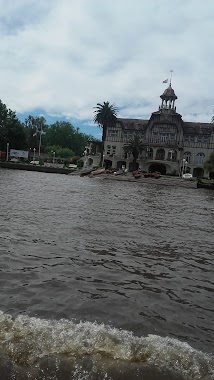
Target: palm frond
(105,114)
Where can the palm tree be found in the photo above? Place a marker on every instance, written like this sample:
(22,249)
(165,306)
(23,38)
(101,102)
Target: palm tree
(134,146)
(105,116)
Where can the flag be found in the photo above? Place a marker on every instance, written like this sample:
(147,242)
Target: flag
(165,81)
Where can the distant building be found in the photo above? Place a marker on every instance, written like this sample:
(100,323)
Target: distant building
(171,144)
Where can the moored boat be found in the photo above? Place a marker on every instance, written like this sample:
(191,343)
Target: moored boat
(119,172)
(137,173)
(98,171)
(85,172)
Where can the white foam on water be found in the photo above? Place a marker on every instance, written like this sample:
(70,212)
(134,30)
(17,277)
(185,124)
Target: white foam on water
(26,340)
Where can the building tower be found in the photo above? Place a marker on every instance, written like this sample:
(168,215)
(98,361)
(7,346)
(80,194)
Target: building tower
(168,100)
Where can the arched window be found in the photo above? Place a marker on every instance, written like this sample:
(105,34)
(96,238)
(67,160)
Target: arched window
(160,155)
(172,155)
(187,156)
(200,158)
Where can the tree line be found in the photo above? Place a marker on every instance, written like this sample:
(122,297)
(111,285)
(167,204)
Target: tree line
(61,136)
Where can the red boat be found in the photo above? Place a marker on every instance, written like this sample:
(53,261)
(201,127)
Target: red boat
(152,175)
(137,173)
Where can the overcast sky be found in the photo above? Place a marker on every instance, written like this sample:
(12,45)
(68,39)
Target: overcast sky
(61,57)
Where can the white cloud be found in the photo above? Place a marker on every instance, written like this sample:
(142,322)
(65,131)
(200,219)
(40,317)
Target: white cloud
(64,56)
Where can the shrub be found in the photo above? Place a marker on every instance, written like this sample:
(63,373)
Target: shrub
(80,163)
(75,159)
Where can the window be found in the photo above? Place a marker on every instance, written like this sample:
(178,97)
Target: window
(200,158)
(187,156)
(172,155)
(160,154)
(112,133)
(149,153)
(113,149)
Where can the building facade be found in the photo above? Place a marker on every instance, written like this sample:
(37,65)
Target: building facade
(172,146)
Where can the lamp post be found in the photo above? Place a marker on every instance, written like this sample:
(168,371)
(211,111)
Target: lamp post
(103,160)
(184,165)
(34,154)
(7,156)
(54,155)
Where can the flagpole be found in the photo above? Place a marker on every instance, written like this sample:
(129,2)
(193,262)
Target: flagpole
(171,71)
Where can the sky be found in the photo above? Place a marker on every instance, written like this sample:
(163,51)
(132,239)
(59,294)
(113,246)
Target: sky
(59,58)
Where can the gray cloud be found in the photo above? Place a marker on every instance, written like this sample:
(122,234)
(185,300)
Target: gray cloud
(64,56)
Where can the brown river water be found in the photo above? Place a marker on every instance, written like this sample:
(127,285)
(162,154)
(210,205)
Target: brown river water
(105,280)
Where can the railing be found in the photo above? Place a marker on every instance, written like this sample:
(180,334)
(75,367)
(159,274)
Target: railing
(204,145)
(162,143)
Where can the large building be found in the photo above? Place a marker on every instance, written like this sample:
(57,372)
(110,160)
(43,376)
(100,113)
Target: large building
(171,144)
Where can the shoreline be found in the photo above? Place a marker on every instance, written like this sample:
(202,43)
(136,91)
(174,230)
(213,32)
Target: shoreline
(34,168)
(128,177)
(166,181)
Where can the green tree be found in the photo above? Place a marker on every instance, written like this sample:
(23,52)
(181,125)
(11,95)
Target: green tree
(34,126)
(11,129)
(60,134)
(105,116)
(134,146)
(59,151)
(209,164)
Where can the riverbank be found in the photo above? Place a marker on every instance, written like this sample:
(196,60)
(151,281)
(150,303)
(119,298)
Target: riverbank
(164,180)
(128,177)
(35,168)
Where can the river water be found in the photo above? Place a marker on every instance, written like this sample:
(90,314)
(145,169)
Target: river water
(104,279)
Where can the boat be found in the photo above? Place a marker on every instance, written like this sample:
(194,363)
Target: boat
(187,176)
(137,173)
(85,172)
(119,172)
(152,175)
(98,171)
(205,185)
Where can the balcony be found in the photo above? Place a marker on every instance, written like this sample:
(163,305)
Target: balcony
(167,143)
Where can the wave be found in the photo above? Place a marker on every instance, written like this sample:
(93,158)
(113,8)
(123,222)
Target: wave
(33,348)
